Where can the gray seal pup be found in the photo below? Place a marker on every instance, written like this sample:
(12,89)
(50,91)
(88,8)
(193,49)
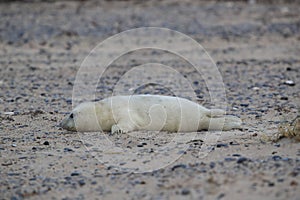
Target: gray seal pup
(122,114)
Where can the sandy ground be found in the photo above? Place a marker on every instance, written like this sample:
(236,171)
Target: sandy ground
(256,49)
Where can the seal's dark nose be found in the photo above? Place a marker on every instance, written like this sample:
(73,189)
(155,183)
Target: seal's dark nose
(68,123)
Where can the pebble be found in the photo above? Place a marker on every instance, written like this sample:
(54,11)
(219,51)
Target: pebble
(276,158)
(289,83)
(221,145)
(81,182)
(229,159)
(7,163)
(179,166)
(13,145)
(75,173)
(262,68)
(68,150)
(234,143)
(185,191)
(241,160)
(141,144)
(244,104)
(276,145)
(271,184)
(286,159)
(9,113)
(94,182)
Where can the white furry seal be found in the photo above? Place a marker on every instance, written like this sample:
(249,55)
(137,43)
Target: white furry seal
(121,114)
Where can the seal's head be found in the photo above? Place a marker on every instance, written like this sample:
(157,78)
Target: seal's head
(82,118)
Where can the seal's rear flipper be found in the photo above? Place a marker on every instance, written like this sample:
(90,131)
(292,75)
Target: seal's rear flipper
(225,123)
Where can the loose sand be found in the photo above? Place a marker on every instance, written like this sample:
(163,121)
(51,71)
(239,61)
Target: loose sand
(256,49)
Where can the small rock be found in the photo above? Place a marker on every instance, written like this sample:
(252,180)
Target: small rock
(271,184)
(222,145)
(81,182)
(234,143)
(94,182)
(9,113)
(280,180)
(140,145)
(242,159)
(293,183)
(212,164)
(236,155)
(179,166)
(289,83)
(288,69)
(75,173)
(7,163)
(276,158)
(69,101)
(276,145)
(244,104)
(13,145)
(185,191)
(68,150)
(46,143)
(286,159)
(229,159)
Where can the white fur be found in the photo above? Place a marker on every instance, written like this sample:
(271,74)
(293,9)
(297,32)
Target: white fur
(121,114)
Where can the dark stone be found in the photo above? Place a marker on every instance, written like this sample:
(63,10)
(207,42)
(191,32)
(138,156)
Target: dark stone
(185,192)
(242,160)
(68,150)
(179,166)
(94,182)
(276,158)
(75,173)
(212,164)
(244,104)
(229,159)
(46,143)
(276,145)
(271,184)
(222,145)
(81,182)
(234,143)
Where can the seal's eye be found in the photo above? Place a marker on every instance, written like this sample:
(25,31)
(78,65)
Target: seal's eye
(71,116)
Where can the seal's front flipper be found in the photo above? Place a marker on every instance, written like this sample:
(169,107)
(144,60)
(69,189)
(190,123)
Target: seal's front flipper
(121,128)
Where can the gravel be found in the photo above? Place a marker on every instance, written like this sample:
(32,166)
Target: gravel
(255,46)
